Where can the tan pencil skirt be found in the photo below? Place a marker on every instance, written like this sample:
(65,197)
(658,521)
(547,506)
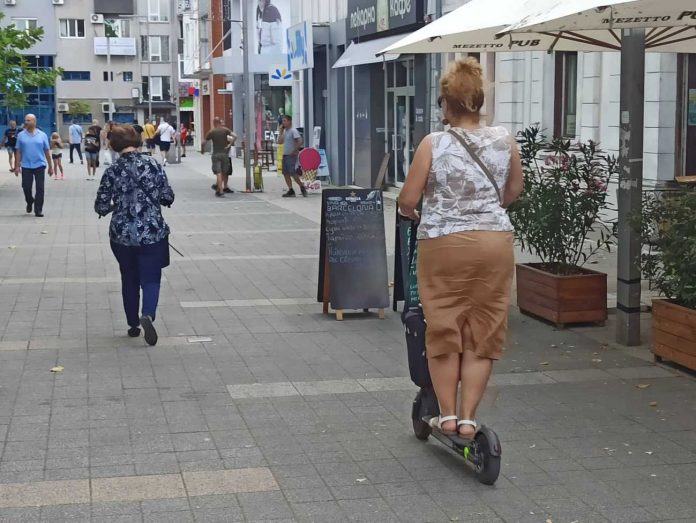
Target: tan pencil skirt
(464,281)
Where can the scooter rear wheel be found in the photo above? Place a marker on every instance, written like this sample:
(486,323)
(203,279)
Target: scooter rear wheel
(421,429)
(488,470)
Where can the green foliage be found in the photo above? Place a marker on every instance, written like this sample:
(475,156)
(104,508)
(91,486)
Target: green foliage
(78,107)
(560,215)
(668,230)
(15,73)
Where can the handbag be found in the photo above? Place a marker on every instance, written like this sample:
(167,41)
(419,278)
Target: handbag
(478,161)
(415,326)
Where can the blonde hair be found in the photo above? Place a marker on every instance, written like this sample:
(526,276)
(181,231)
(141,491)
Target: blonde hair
(462,87)
(55,139)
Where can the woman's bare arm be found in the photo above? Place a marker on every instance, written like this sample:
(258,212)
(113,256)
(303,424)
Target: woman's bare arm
(515,183)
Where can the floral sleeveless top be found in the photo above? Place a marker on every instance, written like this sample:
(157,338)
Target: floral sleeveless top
(459,196)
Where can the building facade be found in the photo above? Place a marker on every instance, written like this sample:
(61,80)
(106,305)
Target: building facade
(120,59)
(41,101)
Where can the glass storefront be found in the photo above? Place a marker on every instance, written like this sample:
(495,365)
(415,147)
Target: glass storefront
(401,118)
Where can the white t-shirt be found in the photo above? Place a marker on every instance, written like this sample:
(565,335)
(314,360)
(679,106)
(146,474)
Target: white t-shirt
(166,132)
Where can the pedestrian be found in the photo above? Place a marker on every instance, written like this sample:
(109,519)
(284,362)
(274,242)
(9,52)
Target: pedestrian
(149,131)
(92,147)
(9,140)
(134,189)
(32,158)
(467,177)
(57,155)
(222,139)
(183,136)
(166,133)
(76,136)
(292,143)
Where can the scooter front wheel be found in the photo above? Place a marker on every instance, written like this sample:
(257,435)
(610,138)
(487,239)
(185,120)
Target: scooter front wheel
(488,463)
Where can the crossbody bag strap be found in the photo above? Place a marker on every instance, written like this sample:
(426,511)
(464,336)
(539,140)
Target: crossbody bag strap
(478,161)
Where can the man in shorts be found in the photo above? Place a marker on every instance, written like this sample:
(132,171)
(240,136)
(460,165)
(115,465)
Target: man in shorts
(9,140)
(222,139)
(166,136)
(292,142)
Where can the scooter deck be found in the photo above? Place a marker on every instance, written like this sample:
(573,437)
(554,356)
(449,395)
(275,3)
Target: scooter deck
(455,442)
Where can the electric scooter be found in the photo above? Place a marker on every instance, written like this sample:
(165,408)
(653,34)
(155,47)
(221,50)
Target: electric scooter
(482,453)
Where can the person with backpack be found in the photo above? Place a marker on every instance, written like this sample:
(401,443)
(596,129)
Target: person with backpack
(92,147)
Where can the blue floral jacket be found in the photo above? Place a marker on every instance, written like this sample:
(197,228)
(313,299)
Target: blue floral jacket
(134,188)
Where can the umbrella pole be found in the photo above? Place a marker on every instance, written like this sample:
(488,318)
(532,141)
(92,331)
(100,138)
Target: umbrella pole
(630,186)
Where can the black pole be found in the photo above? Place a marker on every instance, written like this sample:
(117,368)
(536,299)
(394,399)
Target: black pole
(630,186)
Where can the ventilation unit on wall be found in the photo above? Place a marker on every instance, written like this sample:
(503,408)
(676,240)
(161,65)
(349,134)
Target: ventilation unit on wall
(10,2)
(58,2)
(96,19)
(63,108)
(108,108)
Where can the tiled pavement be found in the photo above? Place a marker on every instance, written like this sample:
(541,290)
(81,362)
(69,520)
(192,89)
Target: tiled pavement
(255,407)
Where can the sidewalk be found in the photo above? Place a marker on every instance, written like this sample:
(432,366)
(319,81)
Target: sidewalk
(256,407)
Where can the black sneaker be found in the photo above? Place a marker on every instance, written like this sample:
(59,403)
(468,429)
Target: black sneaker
(134,332)
(228,190)
(219,194)
(289,194)
(30,207)
(149,329)
(304,191)
(39,215)
(214,187)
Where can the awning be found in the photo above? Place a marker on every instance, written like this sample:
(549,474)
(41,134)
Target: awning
(366,52)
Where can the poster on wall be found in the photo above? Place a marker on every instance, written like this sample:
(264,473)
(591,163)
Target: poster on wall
(692,107)
(272,22)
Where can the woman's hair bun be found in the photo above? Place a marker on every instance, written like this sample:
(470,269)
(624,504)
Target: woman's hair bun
(462,86)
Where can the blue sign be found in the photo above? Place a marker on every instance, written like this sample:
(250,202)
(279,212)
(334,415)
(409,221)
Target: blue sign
(300,42)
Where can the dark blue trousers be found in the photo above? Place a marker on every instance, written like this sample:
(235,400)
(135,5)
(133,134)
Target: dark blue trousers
(141,268)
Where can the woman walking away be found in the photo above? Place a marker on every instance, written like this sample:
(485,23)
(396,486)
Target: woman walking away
(467,176)
(57,156)
(134,189)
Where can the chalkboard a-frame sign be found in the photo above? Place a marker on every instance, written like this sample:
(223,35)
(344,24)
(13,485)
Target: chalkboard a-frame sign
(353,271)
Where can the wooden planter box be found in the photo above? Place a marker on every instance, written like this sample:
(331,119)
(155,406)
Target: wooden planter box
(562,300)
(674,333)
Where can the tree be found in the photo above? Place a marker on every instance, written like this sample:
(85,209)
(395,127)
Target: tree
(16,75)
(78,108)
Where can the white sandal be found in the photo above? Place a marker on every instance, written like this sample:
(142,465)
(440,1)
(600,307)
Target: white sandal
(467,423)
(437,421)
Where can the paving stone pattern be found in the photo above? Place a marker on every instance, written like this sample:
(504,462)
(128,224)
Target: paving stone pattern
(256,407)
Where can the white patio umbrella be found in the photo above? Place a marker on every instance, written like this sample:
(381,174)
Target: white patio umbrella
(571,25)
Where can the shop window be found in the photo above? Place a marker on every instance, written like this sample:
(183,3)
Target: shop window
(72,28)
(566,94)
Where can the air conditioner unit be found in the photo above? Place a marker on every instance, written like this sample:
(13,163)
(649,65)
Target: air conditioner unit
(58,2)
(108,108)
(63,108)
(10,2)
(96,19)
